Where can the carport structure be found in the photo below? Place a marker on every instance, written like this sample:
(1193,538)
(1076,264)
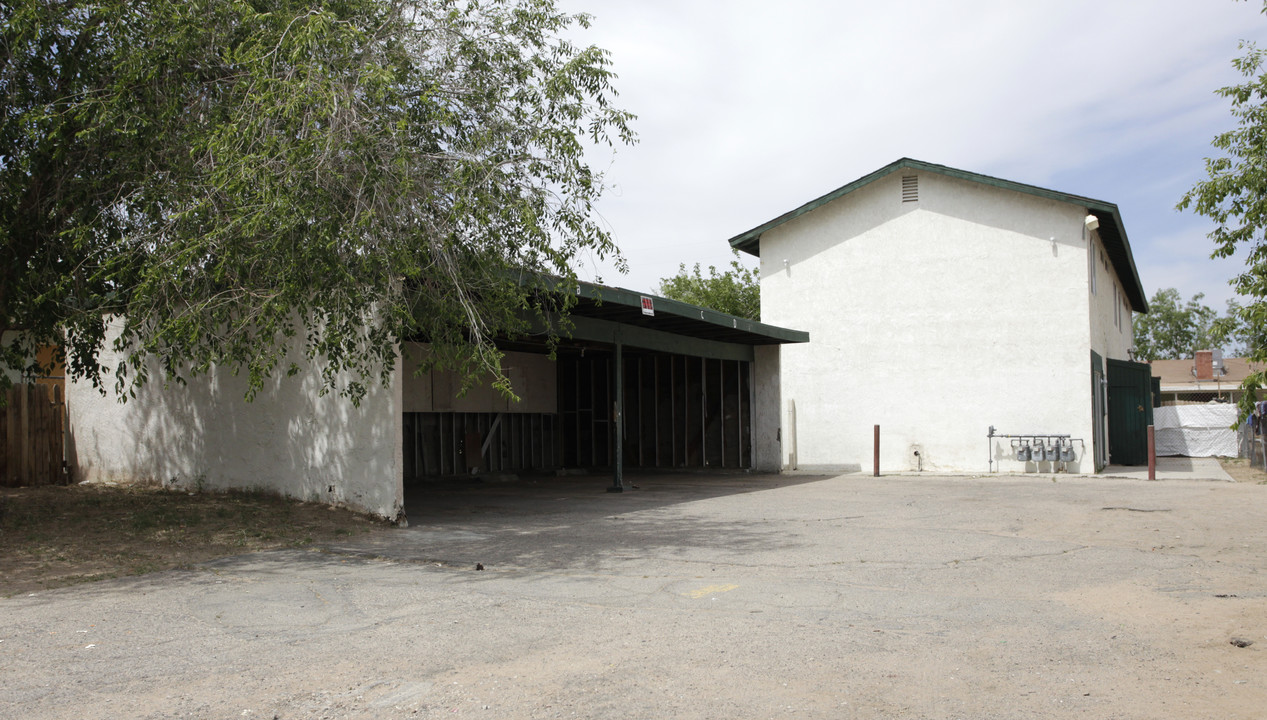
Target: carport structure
(679,387)
(639,381)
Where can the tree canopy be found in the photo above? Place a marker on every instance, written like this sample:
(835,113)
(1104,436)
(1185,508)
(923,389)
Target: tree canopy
(736,291)
(1234,196)
(231,176)
(1173,329)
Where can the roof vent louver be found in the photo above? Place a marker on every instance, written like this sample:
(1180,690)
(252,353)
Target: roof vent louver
(910,188)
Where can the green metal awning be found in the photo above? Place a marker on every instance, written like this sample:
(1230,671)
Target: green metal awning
(616,316)
(671,316)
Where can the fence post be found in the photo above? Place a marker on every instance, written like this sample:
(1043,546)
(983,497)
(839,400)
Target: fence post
(876,459)
(1152,454)
(24,434)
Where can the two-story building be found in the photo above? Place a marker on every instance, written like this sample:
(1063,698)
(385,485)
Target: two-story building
(971,318)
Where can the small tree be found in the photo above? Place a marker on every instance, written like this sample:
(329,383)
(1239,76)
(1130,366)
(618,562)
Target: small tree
(736,291)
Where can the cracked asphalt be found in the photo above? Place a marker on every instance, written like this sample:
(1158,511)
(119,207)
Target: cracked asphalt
(695,596)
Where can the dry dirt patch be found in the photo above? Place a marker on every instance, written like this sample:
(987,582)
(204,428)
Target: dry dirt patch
(1241,471)
(61,535)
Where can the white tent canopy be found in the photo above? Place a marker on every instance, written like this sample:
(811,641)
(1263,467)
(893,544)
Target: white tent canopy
(1196,430)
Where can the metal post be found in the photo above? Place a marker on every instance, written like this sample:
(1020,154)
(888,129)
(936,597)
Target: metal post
(876,464)
(990,446)
(1152,454)
(618,423)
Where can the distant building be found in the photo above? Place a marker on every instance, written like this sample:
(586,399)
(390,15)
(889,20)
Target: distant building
(1205,377)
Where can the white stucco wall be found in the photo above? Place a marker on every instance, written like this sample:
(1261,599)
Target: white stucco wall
(289,440)
(1109,337)
(533,378)
(1111,323)
(934,319)
(767,433)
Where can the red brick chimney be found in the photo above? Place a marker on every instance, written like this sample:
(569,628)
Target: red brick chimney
(1205,365)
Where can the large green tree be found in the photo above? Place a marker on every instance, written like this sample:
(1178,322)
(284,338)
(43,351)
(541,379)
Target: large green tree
(1234,196)
(736,291)
(232,176)
(1173,329)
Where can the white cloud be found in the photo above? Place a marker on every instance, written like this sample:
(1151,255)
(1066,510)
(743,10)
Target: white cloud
(747,109)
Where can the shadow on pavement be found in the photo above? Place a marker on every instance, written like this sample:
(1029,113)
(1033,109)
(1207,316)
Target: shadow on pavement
(570,522)
(529,498)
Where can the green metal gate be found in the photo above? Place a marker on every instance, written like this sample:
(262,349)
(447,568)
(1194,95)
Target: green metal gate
(1130,411)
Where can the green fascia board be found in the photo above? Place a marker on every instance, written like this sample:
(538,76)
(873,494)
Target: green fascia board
(1112,230)
(610,332)
(630,298)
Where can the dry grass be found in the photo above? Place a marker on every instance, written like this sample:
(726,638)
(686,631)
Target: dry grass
(1241,471)
(56,536)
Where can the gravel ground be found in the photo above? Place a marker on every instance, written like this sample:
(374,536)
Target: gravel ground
(693,597)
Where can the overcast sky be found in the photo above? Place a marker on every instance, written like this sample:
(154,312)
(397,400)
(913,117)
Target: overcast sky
(749,109)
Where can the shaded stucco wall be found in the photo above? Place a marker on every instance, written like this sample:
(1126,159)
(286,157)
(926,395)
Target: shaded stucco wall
(934,319)
(767,432)
(533,379)
(1112,330)
(1112,327)
(289,440)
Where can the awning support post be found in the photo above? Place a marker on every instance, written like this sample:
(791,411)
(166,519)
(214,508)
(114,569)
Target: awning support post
(618,422)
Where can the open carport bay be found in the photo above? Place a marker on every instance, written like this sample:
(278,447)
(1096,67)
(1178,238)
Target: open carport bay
(709,596)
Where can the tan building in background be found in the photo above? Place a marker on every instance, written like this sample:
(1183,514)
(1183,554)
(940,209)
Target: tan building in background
(1207,377)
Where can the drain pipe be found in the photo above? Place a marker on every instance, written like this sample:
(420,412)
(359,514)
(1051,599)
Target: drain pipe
(989,442)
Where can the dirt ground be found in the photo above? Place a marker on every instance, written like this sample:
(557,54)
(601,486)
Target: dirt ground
(1240,470)
(56,536)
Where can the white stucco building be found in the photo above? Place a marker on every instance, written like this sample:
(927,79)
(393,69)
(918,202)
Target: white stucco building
(936,303)
(291,440)
(941,303)
(641,382)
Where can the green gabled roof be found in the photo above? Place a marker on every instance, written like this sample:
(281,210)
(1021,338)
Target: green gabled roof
(1112,232)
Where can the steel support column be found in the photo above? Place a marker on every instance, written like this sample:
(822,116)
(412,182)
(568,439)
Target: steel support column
(618,422)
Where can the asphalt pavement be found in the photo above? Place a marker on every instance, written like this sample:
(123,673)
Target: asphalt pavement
(693,596)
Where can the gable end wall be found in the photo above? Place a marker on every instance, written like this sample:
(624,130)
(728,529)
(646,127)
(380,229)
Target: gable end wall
(934,319)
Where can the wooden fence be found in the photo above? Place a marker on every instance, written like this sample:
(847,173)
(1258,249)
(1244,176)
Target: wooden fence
(31,426)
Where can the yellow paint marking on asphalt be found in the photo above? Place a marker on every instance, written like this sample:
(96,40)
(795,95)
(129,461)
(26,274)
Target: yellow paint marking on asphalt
(710,590)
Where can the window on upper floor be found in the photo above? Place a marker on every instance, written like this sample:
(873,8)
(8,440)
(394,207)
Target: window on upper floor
(1117,307)
(1092,252)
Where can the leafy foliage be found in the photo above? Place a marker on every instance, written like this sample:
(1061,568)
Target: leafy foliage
(1234,196)
(1173,329)
(736,291)
(233,176)
(1237,335)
